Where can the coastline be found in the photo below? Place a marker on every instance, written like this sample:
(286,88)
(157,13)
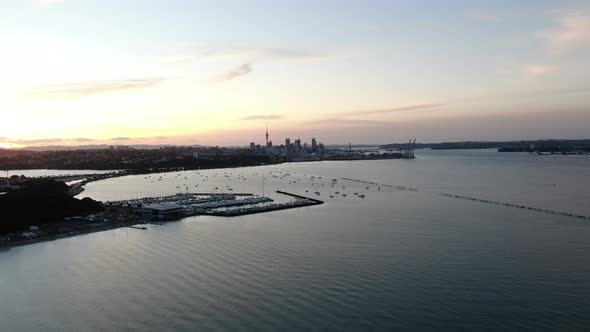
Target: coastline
(101,228)
(127,216)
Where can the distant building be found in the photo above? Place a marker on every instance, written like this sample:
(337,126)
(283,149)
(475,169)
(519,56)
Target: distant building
(298,146)
(163,209)
(314,145)
(252,146)
(289,146)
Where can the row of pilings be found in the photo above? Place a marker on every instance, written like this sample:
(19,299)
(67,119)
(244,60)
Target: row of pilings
(517,206)
(380,184)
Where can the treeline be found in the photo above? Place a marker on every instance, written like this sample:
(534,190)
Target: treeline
(41,201)
(128,160)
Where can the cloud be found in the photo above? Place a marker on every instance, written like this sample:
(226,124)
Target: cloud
(46,2)
(12,141)
(263,117)
(244,54)
(570,29)
(22,141)
(84,89)
(263,53)
(345,122)
(394,109)
(344,118)
(82,139)
(291,54)
(233,73)
(482,16)
(540,70)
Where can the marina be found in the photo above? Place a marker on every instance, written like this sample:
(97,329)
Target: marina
(215,204)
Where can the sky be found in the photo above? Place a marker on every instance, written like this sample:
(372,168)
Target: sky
(79,72)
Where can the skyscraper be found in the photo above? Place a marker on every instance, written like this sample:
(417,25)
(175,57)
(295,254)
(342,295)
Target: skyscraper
(314,145)
(298,146)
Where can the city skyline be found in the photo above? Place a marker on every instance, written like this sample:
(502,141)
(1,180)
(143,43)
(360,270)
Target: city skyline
(81,72)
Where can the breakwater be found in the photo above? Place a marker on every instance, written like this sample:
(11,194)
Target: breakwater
(300,201)
(515,205)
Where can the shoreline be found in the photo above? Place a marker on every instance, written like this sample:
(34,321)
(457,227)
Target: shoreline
(101,228)
(133,219)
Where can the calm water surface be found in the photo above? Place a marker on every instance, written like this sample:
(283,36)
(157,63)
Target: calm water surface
(396,260)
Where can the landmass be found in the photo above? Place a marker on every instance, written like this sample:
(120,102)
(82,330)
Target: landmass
(558,146)
(36,210)
(142,160)
(40,202)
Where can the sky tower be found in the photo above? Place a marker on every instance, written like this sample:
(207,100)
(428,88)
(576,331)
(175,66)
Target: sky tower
(267,135)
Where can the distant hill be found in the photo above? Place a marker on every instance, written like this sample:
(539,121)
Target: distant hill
(100,147)
(539,145)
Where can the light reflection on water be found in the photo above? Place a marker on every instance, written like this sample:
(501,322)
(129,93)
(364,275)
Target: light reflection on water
(394,260)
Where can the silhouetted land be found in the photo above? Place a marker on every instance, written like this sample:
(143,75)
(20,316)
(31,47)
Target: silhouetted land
(551,146)
(40,202)
(138,161)
(133,159)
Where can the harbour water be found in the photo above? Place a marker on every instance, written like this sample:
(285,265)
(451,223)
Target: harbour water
(396,259)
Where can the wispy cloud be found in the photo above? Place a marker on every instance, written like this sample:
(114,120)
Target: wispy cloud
(291,54)
(83,89)
(540,70)
(345,122)
(46,2)
(241,70)
(352,118)
(38,141)
(483,16)
(245,55)
(394,109)
(262,53)
(263,117)
(571,29)
(52,141)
